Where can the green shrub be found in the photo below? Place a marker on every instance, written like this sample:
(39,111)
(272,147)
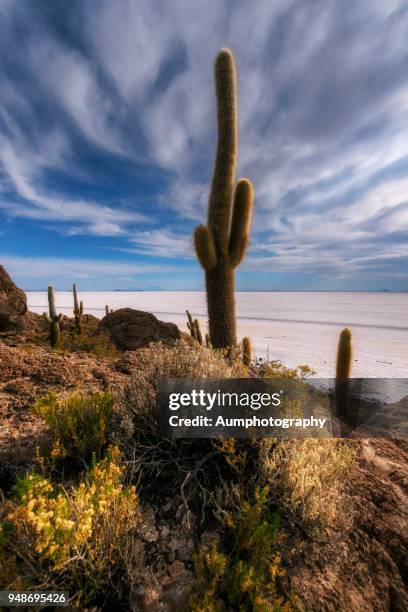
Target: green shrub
(244,577)
(78,423)
(74,539)
(98,345)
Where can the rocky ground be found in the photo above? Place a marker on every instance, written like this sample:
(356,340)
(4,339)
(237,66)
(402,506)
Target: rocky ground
(361,569)
(364,569)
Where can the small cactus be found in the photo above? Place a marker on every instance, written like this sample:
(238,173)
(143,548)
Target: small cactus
(78,310)
(247,350)
(191,325)
(108,310)
(208,341)
(343,372)
(52,318)
(221,244)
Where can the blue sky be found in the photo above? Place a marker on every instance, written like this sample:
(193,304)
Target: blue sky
(107,138)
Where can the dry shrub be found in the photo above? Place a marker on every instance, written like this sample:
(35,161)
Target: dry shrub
(187,462)
(309,478)
(190,361)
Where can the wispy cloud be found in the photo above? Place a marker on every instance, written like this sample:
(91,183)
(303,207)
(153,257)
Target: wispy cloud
(323,114)
(46,268)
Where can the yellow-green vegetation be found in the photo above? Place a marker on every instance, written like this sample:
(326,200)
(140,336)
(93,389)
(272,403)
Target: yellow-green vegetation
(79,423)
(72,538)
(244,575)
(265,368)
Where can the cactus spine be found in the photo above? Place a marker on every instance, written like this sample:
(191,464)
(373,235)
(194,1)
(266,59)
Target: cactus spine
(343,372)
(78,311)
(247,350)
(221,244)
(52,318)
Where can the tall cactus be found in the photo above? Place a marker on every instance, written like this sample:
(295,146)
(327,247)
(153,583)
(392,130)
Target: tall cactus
(78,311)
(52,318)
(221,244)
(343,372)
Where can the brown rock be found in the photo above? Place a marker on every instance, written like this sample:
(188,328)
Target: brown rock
(13,303)
(130,329)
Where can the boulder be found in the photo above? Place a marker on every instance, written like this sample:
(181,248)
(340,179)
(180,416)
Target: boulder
(130,329)
(13,304)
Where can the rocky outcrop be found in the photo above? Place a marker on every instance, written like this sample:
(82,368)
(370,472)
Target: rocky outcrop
(131,329)
(13,304)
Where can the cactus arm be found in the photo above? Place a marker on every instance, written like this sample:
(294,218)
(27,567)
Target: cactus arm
(220,201)
(81,308)
(204,246)
(241,221)
(47,317)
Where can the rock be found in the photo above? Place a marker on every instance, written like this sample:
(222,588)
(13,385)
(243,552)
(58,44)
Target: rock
(147,529)
(131,329)
(13,304)
(210,539)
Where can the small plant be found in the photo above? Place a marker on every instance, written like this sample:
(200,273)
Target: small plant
(73,538)
(52,318)
(245,576)
(78,311)
(108,310)
(79,423)
(221,244)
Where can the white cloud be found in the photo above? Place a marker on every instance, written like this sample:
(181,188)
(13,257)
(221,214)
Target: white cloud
(49,267)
